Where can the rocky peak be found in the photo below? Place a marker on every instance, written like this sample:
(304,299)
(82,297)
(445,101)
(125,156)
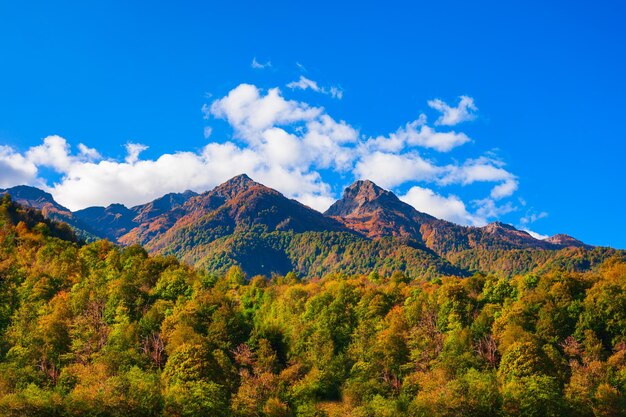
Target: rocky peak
(234,186)
(360,197)
(499,226)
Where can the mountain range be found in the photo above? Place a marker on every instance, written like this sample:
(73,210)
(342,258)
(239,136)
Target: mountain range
(242,222)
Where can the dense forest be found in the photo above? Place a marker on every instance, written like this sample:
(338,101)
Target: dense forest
(99,330)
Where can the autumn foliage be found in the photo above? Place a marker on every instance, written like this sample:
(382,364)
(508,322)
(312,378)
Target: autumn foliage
(97,330)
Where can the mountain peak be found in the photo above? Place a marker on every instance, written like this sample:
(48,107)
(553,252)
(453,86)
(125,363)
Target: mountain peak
(365,188)
(362,196)
(33,197)
(235,186)
(375,212)
(495,226)
(566,240)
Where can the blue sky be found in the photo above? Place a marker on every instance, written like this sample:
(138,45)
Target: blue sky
(545,121)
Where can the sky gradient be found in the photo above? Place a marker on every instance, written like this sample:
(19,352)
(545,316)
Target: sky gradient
(473,112)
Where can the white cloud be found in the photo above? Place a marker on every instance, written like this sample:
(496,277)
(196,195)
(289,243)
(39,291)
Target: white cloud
(506,189)
(258,65)
(536,235)
(487,208)
(15,169)
(207,132)
(304,83)
(53,153)
(429,138)
(335,92)
(133,150)
(418,134)
(88,153)
(292,146)
(450,208)
(465,111)
(390,170)
(249,113)
(483,169)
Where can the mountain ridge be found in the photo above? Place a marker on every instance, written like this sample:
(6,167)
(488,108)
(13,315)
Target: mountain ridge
(223,226)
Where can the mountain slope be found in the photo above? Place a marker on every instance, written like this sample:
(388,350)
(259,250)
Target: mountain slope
(239,204)
(33,197)
(376,212)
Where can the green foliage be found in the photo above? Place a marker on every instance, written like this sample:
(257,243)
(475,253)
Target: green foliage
(98,330)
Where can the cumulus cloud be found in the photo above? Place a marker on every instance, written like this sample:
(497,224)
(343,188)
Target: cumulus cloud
(53,153)
(418,134)
(483,169)
(15,168)
(304,83)
(390,170)
(290,145)
(450,208)
(250,113)
(258,65)
(450,116)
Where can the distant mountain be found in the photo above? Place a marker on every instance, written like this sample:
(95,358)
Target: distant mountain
(376,212)
(137,224)
(567,241)
(110,222)
(155,218)
(242,222)
(34,197)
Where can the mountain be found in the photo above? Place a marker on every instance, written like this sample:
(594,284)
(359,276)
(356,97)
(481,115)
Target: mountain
(154,218)
(34,197)
(567,241)
(240,203)
(103,330)
(375,212)
(242,222)
(110,222)
(136,224)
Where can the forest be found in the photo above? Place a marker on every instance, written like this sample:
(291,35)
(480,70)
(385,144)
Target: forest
(100,330)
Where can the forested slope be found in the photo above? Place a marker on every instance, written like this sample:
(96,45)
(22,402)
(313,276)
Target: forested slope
(97,330)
